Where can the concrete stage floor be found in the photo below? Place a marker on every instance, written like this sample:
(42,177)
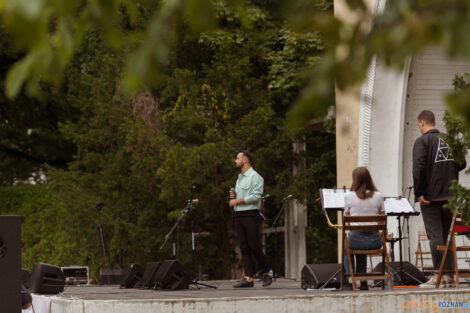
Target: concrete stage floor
(280,287)
(283,296)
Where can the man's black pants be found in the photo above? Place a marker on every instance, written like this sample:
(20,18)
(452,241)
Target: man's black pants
(248,223)
(437,222)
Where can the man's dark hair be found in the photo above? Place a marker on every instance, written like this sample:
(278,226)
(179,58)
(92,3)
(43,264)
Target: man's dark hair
(427,117)
(247,154)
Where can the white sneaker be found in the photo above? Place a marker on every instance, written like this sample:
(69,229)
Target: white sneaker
(355,283)
(431,283)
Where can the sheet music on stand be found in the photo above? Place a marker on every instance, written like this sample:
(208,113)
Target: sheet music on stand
(398,206)
(333,199)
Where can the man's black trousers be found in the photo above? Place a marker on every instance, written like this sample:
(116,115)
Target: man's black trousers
(437,222)
(248,223)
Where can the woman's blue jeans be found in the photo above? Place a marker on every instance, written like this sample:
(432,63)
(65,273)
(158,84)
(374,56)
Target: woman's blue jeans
(361,240)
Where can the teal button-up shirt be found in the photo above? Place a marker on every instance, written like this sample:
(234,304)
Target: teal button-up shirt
(249,187)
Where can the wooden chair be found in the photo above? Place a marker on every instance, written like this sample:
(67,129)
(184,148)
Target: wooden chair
(451,247)
(381,226)
(390,241)
(420,252)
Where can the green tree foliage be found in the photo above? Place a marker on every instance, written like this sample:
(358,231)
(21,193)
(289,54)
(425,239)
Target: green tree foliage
(221,90)
(28,126)
(458,138)
(51,32)
(53,231)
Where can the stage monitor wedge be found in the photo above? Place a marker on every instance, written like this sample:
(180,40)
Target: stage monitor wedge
(10,264)
(47,279)
(172,275)
(149,278)
(409,276)
(314,276)
(131,275)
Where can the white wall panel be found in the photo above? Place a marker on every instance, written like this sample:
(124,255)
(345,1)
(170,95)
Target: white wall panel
(429,79)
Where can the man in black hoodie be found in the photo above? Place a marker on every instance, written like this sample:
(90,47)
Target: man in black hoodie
(434,169)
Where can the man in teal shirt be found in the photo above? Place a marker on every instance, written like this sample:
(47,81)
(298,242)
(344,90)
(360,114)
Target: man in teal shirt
(246,201)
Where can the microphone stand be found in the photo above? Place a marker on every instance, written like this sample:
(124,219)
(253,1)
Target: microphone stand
(173,228)
(195,279)
(188,210)
(276,243)
(99,229)
(191,209)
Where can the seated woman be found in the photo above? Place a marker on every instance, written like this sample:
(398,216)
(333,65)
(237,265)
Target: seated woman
(364,199)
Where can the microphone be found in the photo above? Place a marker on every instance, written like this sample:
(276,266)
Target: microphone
(99,206)
(287,197)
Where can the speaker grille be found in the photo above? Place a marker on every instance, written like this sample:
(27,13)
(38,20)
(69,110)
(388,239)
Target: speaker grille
(172,275)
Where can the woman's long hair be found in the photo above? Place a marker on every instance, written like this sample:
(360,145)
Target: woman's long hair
(362,183)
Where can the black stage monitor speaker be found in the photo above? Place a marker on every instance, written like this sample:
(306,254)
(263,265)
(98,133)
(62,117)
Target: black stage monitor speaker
(410,276)
(149,278)
(316,275)
(47,279)
(10,264)
(110,276)
(172,275)
(131,275)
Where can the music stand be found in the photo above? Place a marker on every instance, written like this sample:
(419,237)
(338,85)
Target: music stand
(400,207)
(332,200)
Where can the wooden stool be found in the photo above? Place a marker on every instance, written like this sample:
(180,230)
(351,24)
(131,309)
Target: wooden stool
(419,253)
(451,247)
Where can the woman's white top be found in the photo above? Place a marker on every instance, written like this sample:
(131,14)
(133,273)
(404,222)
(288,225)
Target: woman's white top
(363,207)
